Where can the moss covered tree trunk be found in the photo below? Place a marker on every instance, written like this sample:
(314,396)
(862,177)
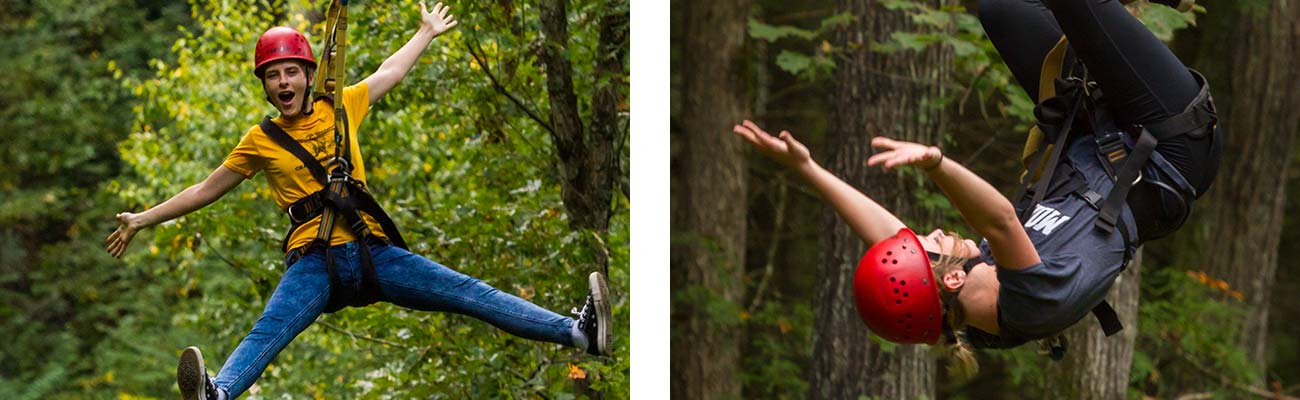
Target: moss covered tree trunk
(874,94)
(708,203)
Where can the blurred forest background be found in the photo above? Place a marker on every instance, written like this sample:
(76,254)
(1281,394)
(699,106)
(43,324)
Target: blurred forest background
(503,154)
(762,270)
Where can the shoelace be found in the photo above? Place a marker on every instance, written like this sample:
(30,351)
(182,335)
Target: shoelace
(209,389)
(587,316)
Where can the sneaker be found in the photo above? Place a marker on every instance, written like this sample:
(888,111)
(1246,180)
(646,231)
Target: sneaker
(193,379)
(594,318)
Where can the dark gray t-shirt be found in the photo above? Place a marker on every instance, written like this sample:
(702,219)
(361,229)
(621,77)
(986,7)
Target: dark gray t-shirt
(1079,261)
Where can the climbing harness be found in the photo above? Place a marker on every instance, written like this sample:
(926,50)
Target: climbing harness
(342,195)
(1143,179)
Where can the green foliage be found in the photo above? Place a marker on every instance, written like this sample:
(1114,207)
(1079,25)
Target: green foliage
(811,65)
(63,112)
(1189,334)
(780,343)
(470,179)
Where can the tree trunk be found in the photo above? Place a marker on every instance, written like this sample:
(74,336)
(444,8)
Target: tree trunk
(1249,59)
(1095,366)
(708,203)
(588,162)
(875,94)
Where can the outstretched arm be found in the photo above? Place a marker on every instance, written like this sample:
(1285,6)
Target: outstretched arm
(397,65)
(192,198)
(868,219)
(981,205)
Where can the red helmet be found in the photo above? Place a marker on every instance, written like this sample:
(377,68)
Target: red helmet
(281,43)
(896,291)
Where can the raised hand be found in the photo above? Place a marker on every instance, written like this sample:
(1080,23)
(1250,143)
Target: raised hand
(785,150)
(437,21)
(128,225)
(894,153)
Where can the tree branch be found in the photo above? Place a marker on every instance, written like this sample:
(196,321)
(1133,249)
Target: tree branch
(483,65)
(1234,384)
(770,266)
(354,336)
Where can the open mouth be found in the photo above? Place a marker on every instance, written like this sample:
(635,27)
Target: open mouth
(286,97)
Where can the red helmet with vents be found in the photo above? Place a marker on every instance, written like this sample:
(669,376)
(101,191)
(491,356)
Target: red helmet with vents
(896,291)
(281,43)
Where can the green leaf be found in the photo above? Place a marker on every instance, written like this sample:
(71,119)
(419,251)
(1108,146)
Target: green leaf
(771,33)
(792,62)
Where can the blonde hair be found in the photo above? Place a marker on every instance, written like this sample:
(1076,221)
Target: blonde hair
(958,351)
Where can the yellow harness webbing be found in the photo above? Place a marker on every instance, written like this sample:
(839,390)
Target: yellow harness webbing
(1053,68)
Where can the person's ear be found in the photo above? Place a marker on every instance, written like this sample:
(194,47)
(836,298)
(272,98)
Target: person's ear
(954,280)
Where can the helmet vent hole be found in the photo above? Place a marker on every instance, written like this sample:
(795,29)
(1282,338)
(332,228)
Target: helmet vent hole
(904,294)
(909,315)
(891,279)
(895,290)
(898,302)
(902,283)
(884,261)
(900,322)
(889,253)
(895,261)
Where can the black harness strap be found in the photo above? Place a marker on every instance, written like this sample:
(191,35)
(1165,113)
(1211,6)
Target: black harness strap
(1126,176)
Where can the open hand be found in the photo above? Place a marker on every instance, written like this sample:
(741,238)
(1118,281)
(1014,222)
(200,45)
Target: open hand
(128,225)
(894,153)
(785,150)
(437,21)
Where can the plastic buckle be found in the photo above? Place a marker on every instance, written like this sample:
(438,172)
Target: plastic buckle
(1112,145)
(1106,221)
(1093,198)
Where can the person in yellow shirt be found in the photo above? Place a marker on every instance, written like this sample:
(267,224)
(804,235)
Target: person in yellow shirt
(363,259)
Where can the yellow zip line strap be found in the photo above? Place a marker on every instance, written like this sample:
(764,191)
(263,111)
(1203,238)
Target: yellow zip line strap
(1053,68)
(336,27)
(323,81)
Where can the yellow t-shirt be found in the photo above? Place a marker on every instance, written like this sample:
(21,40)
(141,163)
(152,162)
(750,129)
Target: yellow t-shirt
(289,180)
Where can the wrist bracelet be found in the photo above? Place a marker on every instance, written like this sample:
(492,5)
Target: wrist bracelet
(936,165)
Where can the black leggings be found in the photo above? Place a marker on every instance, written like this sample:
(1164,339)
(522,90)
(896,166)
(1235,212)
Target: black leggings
(1143,80)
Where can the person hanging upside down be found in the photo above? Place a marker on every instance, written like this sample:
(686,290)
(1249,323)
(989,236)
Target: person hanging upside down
(341,268)
(1042,265)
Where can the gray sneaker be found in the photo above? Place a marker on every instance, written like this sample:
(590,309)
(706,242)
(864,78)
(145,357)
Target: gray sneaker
(192,377)
(594,319)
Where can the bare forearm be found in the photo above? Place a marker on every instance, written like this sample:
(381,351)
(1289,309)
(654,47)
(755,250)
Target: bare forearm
(982,206)
(405,57)
(185,202)
(868,219)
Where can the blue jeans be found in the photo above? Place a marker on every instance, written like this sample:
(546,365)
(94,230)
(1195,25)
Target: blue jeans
(406,279)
